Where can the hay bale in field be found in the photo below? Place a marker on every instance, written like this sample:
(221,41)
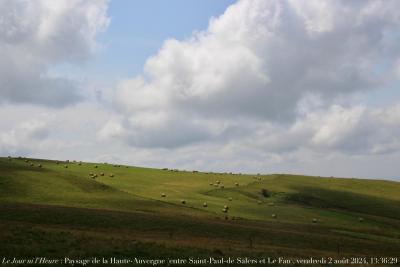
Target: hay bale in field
(314,220)
(205,204)
(183,201)
(217,182)
(226,207)
(271,204)
(360,219)
(111,175)
(66,166)
(211,184)
(80,163)
(95,166)
(90,173)
(274,216)
(163,195)
(237,184)
(229,198)
(221,186)
(31,164)
(216,185)
(225,210)
(39,165)
(259,178)
(102,174)
(259,202)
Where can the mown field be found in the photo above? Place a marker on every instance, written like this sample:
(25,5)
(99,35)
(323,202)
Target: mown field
(58,209)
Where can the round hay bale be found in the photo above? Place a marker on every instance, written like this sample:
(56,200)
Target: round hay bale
(183,201)
(225,210)
(205,204)
(237,184)
(314,220)
(80,163)
(95,166)
(111,175)
(230,199)
(259,202)
(211,184)
(360,219)
(40,165)
(102,174)
(221,186)
(216,185)
(66,166)
(31,164)
(226,207)
(271,204)
(274,216)
(163,195)
(217,182)
(90,173)
(259,178)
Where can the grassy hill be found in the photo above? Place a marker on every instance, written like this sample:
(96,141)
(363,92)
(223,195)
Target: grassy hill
(55,209)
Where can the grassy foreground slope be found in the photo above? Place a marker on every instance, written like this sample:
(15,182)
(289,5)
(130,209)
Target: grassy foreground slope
(58,210)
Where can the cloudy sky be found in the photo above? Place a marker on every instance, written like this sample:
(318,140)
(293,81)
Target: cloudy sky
(292,86)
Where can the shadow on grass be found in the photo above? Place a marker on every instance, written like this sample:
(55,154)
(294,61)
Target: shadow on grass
(347,201)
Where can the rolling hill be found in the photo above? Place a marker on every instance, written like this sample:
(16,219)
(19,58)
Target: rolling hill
(57,209)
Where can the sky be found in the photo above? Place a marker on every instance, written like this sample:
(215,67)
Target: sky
(252,86)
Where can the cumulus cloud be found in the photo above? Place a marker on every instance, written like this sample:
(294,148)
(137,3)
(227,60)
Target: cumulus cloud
(37,35)
(258,64)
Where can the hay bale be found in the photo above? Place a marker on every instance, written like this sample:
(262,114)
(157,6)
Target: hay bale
(31,164)
(95,166)
(259,202)
(237,184)
(274,216)
(90,173)
(40,165)
(183,201)
(221,186)
(205,204)
(230,199)
(80,163)
(360,219)
(66,166)
(216,185)
(163,195)
(314,220)
(211,184)
(271,204)
(217,182)
(111,175)
(226,207)
(102,174)
(225,210)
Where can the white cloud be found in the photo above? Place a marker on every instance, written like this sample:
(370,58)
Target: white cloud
(258,62)
(36,35)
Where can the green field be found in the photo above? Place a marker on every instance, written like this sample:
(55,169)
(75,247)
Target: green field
(59,210)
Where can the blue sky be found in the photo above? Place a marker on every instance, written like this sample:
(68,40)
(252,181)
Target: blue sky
(138,30)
